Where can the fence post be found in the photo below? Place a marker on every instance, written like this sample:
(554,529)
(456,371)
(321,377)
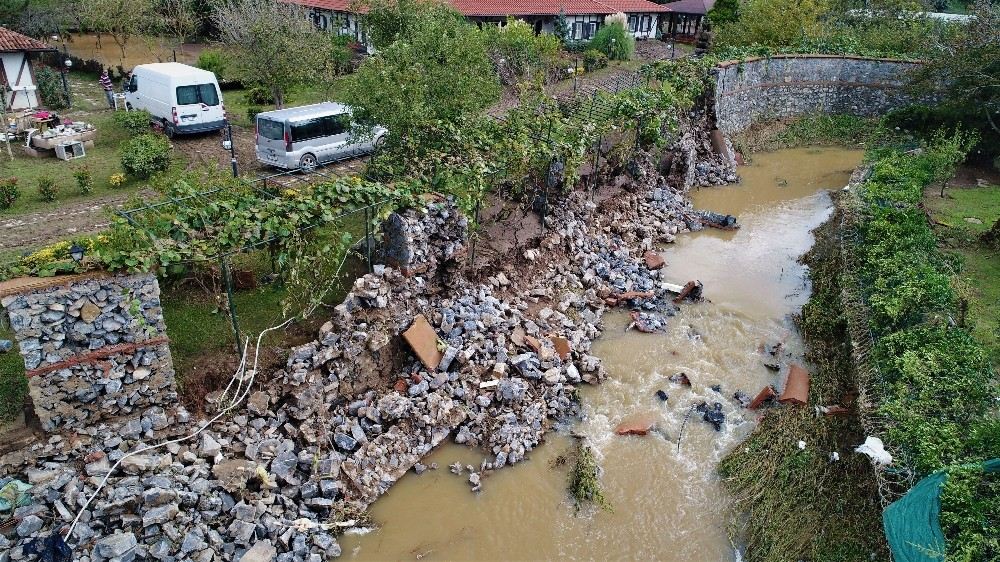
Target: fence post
(368,239)
(475,235)
(227,278)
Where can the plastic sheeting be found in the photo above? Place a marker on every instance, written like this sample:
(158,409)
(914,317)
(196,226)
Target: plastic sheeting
(14,494)
(912,523)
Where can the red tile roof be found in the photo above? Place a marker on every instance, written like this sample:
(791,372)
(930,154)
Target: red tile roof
(500,8)
(11,41)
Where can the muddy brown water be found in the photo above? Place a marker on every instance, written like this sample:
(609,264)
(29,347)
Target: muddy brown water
(668,505)
(138,50)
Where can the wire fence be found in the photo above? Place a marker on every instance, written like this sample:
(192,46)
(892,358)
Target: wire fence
(895,479)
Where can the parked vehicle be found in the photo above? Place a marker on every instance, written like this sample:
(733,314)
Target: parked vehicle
(311,135)
(181,98)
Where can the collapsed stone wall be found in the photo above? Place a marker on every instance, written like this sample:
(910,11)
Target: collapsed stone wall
(759,89)
(319,440)
(93,348)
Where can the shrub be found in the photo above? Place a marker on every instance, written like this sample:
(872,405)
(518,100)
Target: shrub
(614,41)
(134,122)
(260,96)
(252,112)
(50,88)
(8,192)
(145,155)
(116,180)
(213,60)
(48,190)
(518,53)
(84,179)
(594,60)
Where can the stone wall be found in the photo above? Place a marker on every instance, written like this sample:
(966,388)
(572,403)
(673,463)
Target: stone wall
(755,90)
(94,347)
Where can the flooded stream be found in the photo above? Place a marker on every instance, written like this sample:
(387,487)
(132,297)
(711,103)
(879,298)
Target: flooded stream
(138,50)
(668,505)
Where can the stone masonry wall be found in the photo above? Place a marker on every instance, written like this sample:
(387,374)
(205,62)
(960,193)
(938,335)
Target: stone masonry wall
(755,90)
(94,348)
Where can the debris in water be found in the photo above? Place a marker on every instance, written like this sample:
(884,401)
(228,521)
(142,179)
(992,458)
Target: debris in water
(645,323)
(681,379)
(773,367)
(713,414)
(456,468)
(692,291)
(718,220)
(796,387)
(584,479)
(742,397)
(662,395)
(766,395)
(716,387)
(639,424)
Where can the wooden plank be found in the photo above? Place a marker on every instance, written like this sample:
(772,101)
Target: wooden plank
(423,340)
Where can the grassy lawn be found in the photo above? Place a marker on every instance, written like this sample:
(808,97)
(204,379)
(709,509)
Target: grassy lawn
(103,160)
(962,216)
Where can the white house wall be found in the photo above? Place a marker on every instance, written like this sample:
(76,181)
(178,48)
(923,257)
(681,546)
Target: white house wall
(12,65)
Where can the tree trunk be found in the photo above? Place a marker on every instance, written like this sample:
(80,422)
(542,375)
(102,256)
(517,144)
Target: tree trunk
(279,97)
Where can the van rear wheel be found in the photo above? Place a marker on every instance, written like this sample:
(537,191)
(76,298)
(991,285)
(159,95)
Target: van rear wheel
(307,163)
(169,130)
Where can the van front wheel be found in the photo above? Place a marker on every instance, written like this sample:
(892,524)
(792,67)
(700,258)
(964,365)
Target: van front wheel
(307,163)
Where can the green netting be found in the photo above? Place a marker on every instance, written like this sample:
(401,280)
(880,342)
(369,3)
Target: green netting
(911,523)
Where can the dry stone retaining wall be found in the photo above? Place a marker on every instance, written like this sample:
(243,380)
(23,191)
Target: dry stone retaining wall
(93,348)
(756,90)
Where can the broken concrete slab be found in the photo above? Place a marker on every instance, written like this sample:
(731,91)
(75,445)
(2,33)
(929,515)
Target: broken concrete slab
(423,340)
(692,290)
(653,260)
(766,394)
(796,386)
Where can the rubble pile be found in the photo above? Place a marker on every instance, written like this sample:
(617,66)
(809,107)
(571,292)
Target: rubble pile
(316,442)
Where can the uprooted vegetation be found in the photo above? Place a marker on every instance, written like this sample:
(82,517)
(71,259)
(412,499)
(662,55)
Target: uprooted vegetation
(585,479)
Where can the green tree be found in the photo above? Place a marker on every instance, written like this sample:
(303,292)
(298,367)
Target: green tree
(967,72)
(389,20)
(432,75)
(724,11)
(560,28)
(773,23)
(273,44)
(614,41)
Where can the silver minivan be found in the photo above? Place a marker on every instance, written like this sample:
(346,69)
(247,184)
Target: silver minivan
(311,135)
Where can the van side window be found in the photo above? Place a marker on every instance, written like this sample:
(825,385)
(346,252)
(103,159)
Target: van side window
(199,93)
(338,124)
(308,129)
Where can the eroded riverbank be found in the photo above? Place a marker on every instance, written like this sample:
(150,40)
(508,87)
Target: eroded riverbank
(667,505)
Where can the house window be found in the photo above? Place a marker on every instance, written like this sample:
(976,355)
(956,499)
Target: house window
(633,23)
(578,30)
(591,29)
(647,23)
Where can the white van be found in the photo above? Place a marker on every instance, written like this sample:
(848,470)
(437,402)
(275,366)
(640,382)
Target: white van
(181,98)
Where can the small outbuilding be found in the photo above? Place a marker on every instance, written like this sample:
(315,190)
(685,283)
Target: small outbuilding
(18,77)
(687,18)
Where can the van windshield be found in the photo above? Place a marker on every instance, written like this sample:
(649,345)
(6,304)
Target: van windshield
(268,129)
(198,93)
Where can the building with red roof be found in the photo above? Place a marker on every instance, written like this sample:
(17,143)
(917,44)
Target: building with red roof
(583,17)
(17,77)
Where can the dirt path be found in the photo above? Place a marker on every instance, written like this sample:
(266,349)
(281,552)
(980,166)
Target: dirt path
(37,229)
